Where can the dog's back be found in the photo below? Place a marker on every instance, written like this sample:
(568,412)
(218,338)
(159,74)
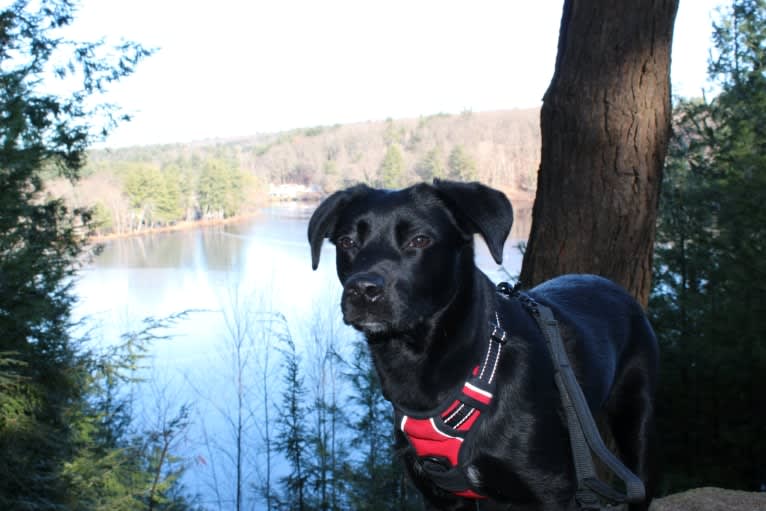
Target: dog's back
(616,329)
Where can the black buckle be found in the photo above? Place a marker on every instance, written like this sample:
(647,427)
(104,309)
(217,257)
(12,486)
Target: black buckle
(442,474)
(435,464)
(587,500)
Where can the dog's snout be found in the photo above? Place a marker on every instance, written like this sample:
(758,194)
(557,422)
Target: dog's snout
(368,287)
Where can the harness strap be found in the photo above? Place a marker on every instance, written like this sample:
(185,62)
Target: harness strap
(584,469)
(583,433)
(437,436)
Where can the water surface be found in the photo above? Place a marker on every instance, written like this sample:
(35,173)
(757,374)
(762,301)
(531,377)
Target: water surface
(234,277)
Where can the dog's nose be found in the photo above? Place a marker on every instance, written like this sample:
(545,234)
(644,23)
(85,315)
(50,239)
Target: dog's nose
(367,286)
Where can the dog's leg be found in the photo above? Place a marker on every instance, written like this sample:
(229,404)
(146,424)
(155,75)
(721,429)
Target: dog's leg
(631,418)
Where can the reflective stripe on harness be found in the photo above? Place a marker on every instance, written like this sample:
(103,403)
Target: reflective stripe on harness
(437,437)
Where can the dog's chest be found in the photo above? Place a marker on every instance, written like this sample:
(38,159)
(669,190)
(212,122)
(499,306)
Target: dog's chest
(439,437)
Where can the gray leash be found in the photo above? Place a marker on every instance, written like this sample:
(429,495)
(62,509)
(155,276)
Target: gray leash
(583,433)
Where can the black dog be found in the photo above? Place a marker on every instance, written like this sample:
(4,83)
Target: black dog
(406,262)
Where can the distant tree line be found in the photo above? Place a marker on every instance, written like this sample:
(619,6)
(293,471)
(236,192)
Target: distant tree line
(132,189)
(132,196)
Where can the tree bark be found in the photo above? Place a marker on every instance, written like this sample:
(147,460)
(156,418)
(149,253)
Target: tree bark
(605,125)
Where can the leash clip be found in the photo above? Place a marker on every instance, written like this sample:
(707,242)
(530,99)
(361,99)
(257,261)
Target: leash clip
(505,288)
(498,334)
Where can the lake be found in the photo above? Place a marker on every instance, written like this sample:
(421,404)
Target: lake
(230,275)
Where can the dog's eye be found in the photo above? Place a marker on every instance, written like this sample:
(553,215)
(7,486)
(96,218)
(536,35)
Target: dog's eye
(419,241)
(346,243)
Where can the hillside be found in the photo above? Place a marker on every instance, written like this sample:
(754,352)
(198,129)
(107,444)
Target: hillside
(135,188)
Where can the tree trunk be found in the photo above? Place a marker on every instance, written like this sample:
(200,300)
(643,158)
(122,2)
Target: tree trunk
(605,125)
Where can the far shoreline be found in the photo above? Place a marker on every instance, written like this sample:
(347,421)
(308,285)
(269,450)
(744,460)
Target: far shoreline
(519,199)
(185,225)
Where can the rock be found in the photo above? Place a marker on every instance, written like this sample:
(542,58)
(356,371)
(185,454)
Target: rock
(711,499)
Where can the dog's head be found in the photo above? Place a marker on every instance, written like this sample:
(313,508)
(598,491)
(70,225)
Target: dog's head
(401,255)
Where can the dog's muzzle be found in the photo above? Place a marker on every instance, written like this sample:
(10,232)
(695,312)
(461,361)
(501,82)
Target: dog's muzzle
(364,288)
(364,302)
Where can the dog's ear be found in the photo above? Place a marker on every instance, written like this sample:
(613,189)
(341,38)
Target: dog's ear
(324,217)
(479,209)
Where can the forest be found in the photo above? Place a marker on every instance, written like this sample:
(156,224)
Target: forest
(316,424)
(709,285)
(133,189)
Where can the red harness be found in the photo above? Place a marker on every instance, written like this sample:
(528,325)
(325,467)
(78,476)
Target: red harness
(437,437)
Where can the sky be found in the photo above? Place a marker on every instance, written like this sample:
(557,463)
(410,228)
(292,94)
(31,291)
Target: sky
(234,68)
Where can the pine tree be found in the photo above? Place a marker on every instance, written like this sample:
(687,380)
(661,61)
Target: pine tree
(102,220)
(40,241)
(431,165)
(170,197)
(144,186)
(63,427)
(292,435)
(461,166)
(392,168)
(221,188)
(327,453)
(376,479)
(118,464)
